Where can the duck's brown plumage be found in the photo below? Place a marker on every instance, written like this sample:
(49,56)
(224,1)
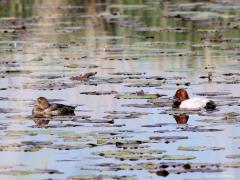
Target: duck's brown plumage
(44,108)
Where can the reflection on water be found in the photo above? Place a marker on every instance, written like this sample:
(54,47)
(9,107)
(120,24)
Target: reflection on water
(181,118)
(41,122)
(155,47)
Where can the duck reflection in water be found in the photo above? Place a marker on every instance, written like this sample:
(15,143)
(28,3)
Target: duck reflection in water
(41,122)
(181,118)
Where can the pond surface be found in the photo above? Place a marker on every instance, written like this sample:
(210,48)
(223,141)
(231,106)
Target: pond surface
(124,127)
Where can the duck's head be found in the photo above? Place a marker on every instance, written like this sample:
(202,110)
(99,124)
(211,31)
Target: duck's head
(42,103)
(180,96)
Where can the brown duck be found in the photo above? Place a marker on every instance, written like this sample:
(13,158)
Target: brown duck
(43,108)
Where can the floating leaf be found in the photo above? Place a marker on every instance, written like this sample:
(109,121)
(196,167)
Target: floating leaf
(199,148)
(135,96)
(178,157)
(30,172)
(97,93)
(72,66)
(212,93)
(132,155)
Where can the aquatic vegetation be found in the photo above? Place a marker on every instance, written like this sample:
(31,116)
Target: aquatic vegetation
(121,63)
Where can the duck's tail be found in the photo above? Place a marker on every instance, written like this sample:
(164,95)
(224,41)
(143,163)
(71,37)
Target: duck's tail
(210,105)
(75,106)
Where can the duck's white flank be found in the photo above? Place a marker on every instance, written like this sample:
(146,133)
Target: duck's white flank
(195,103)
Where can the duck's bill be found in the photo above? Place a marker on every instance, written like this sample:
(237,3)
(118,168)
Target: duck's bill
(174,98)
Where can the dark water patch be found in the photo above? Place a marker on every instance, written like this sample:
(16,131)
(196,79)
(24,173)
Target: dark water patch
(100,177)
(195,15)
(63,118)
(146,84)
(198,129)
(128,73)
(145,105)
(175,111)
(95,121)
(233,81)
(60,45)
(212,93)
(158,78)
(47,77)
(25,146)
(166,168)
(67,147)
(167,139)
(47,85)
(46,125)
(122,59)
(130,144)
(162,131)
(108,125)
(139,95)
(159,125)
(160,29)
(17,71)
(36,143)
(98,93)
(124,114)
(132,155)
(231,74)
(163,173)
(30,172)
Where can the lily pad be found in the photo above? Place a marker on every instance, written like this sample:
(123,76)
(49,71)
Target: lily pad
(132,155)
(199,148)
(167,138)
(212,93)
(135,96)
(30,172)
(98,93)
(124,114)
(178,157)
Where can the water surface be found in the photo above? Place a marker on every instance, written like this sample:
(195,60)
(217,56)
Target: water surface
(154,46)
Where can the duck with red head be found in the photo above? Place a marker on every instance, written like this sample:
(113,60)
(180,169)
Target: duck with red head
(182,101)
(43,108)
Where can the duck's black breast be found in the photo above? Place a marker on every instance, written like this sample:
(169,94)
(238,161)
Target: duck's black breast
(176,104)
